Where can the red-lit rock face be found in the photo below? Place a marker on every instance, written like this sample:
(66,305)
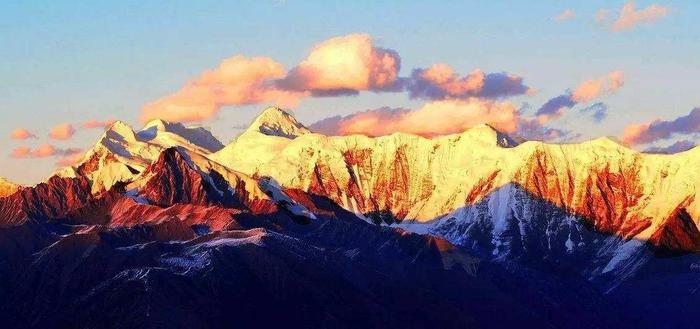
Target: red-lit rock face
(50,200)
(400,177)
(678,234)
(612,189)
(171,180)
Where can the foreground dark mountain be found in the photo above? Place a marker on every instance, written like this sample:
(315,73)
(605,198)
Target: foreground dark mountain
(165,227)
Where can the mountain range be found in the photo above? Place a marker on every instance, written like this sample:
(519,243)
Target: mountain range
(168,227)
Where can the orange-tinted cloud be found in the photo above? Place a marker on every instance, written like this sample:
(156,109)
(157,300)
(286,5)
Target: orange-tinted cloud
(440,118)
(440,81)
(591,89)
(630,17)
(43,151)
(635,133)
(95,124)
(62,132)
(237,81)
(21,152)
(21,133)
(433,119)
(344,65)
(583,93)
(565,15)
(443,77)
(648,132)
(339,66)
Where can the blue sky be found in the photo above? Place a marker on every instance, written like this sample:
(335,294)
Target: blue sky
(70,61)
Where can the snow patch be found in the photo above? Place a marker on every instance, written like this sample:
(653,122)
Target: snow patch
(270,187)
(624,253)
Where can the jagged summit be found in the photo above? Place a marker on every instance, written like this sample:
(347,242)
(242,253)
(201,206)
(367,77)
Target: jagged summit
(159,132)
(606,142)
(414,177)
(120,128)
(489,135)
(121,153)
(274,121)
(158,124)
(170,133)
(422,179)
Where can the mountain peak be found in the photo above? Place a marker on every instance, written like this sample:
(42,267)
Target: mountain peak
(162,125)
(120,128)
(159,124)
(489,134)
(195,135)
(274,121)
(605,142)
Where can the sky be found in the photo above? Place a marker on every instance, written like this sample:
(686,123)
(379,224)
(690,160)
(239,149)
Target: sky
(560,71)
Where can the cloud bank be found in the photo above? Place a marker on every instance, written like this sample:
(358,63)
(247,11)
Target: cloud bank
(440,81)
(237,81)
(440,118)
(43,151)
(65,156)
(21,134)
(583,93)
(652,131)
(460,102)
(62,132)
(344,65)
(340,66)
(433,119)
(631,17)
(95,124)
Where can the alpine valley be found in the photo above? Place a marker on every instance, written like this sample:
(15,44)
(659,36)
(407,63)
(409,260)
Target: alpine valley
(167,226)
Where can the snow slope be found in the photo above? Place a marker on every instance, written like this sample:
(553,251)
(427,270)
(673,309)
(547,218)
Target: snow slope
(7,187)
(121,153)
(423,179)
(402,177)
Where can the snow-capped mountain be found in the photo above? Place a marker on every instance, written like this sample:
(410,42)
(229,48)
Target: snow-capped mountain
(122,153)
(435,185)
(615,189)
(528,226)
(452,186)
